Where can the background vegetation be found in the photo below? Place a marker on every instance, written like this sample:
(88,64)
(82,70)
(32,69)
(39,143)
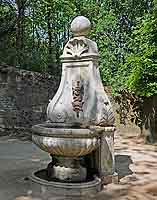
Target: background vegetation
(33,33)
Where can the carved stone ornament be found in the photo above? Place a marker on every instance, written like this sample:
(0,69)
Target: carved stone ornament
(78,92)
(76,48)
(81,97)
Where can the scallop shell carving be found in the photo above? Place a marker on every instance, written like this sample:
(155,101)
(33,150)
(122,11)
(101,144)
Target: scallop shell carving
(76,47)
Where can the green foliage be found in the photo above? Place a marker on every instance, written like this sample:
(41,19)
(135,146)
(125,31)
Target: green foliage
(123,29)
(126,37)
(143,74)
(7,31)
(41,31)
(125,33)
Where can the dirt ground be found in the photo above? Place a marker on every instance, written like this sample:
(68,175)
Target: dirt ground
(136,165)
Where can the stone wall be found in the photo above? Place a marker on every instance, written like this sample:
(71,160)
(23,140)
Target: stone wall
(24,96)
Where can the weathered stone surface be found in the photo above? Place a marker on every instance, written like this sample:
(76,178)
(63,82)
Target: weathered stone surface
(67,190)
(81,97)
(24,97)
(81,103)
(80,26)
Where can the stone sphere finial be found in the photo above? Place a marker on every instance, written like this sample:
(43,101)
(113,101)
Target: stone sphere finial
(80,26)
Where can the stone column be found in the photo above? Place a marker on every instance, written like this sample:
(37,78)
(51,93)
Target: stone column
(106,158)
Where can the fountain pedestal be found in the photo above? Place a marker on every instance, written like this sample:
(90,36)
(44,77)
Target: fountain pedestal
(69,169)
(80,128)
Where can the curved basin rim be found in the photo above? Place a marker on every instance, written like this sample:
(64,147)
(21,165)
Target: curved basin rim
(88,184)
(42,130)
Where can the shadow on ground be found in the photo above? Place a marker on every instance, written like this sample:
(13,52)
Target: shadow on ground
(122,163)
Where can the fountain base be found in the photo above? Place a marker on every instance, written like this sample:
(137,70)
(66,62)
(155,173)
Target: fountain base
(42,185)
(67,169)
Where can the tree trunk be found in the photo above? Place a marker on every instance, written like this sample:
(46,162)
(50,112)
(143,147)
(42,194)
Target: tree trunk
(50,61)
(150,119)
(52,67)
(20,31)
(49,33)
(33,30)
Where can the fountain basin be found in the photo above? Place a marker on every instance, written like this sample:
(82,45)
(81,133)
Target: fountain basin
(68,191)
(65,141)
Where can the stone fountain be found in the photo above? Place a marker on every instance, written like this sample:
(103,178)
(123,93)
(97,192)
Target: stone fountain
(80,128)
